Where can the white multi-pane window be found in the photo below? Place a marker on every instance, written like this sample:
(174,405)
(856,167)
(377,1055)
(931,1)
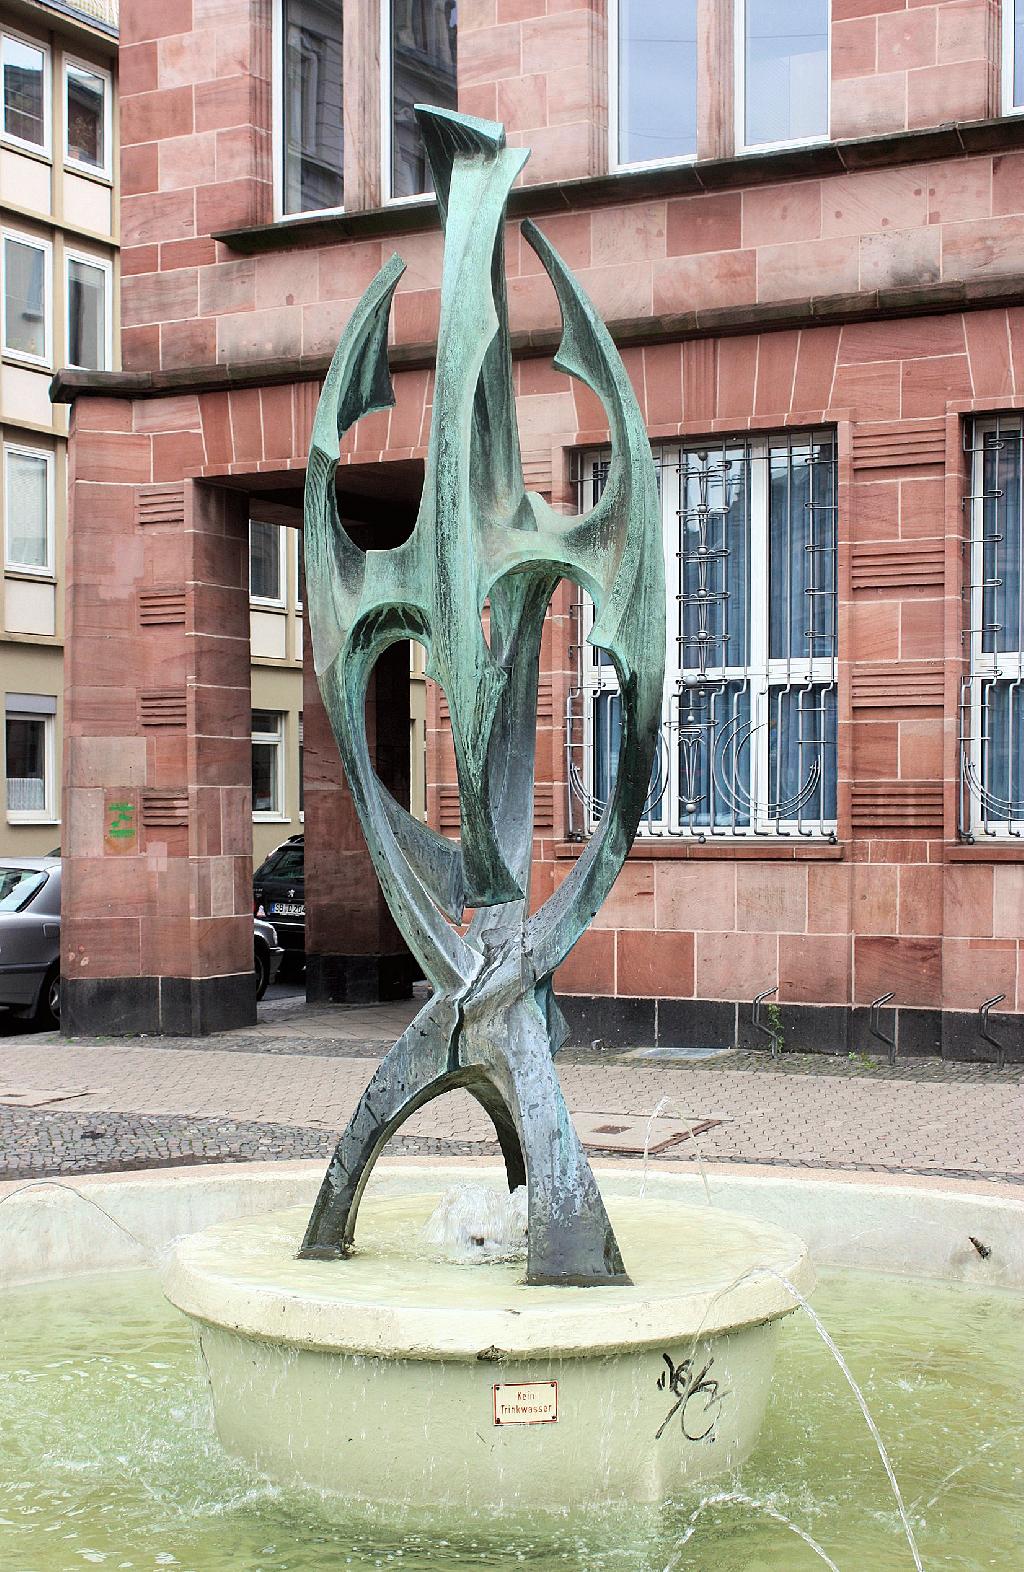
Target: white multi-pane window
(418,61)
(27,265)
(89,315)
(25,69)
(28,510)
(992,701)
(308,82)
(87,117)
(782,71)
(28,757)
(1013,57)
(267,764)
(748,731)
(653,98)
(266,563)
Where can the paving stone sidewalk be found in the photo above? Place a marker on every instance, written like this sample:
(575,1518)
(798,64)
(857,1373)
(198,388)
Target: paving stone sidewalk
(283,1089)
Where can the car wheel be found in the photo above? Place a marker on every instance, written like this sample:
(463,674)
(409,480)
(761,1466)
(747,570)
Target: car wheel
(48,1008)
(262,969)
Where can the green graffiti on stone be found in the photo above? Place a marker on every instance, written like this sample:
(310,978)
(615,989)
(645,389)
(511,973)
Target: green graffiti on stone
(481,539)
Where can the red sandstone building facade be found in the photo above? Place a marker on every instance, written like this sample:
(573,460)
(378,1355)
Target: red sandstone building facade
(810,255)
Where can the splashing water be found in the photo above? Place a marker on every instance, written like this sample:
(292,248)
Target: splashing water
(474,1222)
(736,1497)
(62,1184)
(862,1402)
(662,1106)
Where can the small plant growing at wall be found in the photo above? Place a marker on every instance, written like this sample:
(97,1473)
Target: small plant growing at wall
(774,1017)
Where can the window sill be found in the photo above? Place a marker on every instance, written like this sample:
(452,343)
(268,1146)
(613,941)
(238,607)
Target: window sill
(27,362)
(29,575)
(715,851)
(99,177)
(31,821)
(690,177)
(987,851)
(271,818)
(42,155)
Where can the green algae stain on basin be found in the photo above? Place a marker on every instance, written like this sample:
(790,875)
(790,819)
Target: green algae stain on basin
(108,1456)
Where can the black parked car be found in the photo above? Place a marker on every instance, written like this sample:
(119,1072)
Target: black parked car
(279,894)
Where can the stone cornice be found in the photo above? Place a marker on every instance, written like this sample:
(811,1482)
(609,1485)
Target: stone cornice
(957,139)
(913,300)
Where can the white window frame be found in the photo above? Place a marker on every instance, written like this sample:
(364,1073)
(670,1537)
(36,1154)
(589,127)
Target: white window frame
(42,149)
(277,117)
(47,813)
(277,814)
(740,89)
(1008,15)
(388,199)
(986,666)
(279,601)
(302,786)
(763,676)
(21,569)
(102,172)
(614,56)
(106,268)
(296,553)
(46,247)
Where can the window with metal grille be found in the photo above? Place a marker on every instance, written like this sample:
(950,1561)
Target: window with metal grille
(748,735)
(992,692)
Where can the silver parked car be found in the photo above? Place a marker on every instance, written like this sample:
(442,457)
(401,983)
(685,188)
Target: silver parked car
(30,940)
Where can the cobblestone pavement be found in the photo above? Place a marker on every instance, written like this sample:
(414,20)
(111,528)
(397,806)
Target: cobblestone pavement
(284,1088)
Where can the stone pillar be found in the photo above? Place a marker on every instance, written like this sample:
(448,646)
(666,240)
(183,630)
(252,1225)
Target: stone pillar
(157,852)
(354,952)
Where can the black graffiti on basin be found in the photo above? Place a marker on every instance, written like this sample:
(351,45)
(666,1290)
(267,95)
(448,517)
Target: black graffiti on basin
(686,1385)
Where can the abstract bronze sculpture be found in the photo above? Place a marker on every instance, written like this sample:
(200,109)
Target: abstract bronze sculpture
(492,1025)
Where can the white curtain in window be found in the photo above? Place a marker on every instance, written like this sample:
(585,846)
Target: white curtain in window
(25,506)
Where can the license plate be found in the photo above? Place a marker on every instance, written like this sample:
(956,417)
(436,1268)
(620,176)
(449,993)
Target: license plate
(287,909)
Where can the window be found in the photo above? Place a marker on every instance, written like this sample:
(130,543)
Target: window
(1013,56)
(28,756)
(419,51)
(267,772)
(782,57)
(748,737)
(992,700)
(266,563)
(300,570)
(302,766)
(308,58)
(87,117)
(26,78)
(654,81)
(88,312)
(28,510)
(26,281)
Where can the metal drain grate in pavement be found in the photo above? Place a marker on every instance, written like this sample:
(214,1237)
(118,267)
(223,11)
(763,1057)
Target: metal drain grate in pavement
(626,1133)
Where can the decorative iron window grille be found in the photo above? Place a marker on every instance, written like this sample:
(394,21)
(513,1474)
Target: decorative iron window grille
(748,734)
(992,688)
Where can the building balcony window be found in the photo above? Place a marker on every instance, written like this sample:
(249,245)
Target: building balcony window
(25,68)
(88,95)
(28,509)
(27,292)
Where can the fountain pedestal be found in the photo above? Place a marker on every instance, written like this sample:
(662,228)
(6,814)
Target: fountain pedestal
(398,1379)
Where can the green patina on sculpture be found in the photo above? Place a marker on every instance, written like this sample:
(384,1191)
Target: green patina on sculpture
(492,1025)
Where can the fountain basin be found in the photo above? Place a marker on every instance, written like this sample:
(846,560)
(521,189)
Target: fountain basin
(397,1378)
